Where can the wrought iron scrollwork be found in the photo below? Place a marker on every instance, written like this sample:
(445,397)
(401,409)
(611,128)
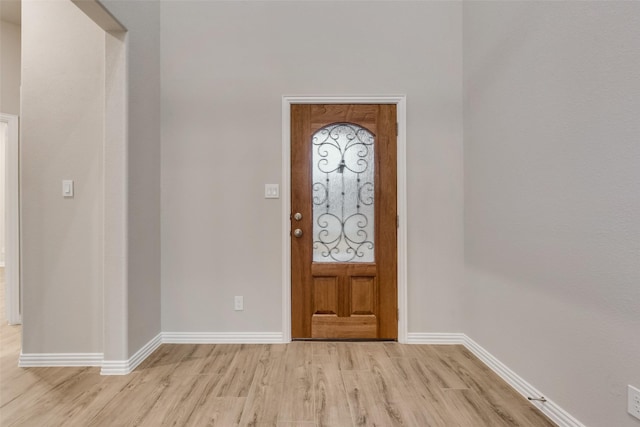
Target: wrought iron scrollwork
(343,194)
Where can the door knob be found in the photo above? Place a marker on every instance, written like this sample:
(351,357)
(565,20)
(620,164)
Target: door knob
(297,232)
(297,216)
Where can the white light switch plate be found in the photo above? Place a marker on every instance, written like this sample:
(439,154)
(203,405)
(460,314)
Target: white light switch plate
(272,191)
(67,188)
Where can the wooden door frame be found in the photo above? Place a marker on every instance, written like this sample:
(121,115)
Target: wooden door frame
(400,101)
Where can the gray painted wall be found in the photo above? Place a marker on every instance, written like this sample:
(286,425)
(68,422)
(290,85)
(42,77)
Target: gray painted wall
(9,68)
(61,138)
(9,102)
(63,245)
(552,175)
(142,20)
(225,68)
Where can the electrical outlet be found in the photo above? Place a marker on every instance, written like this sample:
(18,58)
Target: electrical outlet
(634,402)
(238,303)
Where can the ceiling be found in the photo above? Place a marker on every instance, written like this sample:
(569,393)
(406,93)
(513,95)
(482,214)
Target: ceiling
(10,11)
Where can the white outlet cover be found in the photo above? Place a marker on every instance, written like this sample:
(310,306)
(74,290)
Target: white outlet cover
(238,303)
(634,401)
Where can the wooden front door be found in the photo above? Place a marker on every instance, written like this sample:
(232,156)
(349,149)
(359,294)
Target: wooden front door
(343,221)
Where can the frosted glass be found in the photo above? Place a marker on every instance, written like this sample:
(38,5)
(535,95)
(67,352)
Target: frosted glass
(343,194)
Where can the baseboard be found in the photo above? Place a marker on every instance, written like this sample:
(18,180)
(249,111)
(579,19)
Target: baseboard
(549,408)
(222,337)
(42,360)
(125,367)
(435,338)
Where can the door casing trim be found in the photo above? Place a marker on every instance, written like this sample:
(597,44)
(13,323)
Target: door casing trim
(401,103)
(12,220)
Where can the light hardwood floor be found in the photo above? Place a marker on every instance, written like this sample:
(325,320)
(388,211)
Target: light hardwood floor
(298,384)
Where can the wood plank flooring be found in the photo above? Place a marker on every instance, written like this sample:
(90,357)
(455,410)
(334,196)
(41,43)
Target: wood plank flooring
(298,384)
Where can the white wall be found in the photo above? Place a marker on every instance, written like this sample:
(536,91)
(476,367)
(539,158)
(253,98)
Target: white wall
(552,178)
(9,68)
(225,67)
(10,47)
(61,138)
(63,130)
(9,102)
(142,20)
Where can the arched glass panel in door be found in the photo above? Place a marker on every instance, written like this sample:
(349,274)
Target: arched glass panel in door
(343,194)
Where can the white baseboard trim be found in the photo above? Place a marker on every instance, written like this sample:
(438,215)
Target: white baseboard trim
(435,338)
(47,360)
(145,351)
(222,337)
(115,367)
(125,367)
(549,408)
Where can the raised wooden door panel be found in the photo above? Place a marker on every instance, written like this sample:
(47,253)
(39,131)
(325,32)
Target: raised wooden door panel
(350,290)
(344,300)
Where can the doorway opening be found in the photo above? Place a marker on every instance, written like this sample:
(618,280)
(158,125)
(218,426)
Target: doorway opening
(9,219)
(364,283)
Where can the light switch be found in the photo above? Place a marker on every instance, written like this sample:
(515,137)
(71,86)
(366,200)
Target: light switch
(67,188)
(271,191)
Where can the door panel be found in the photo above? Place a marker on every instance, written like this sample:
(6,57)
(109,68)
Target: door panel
(363,296)
(343,176)
(325,295)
